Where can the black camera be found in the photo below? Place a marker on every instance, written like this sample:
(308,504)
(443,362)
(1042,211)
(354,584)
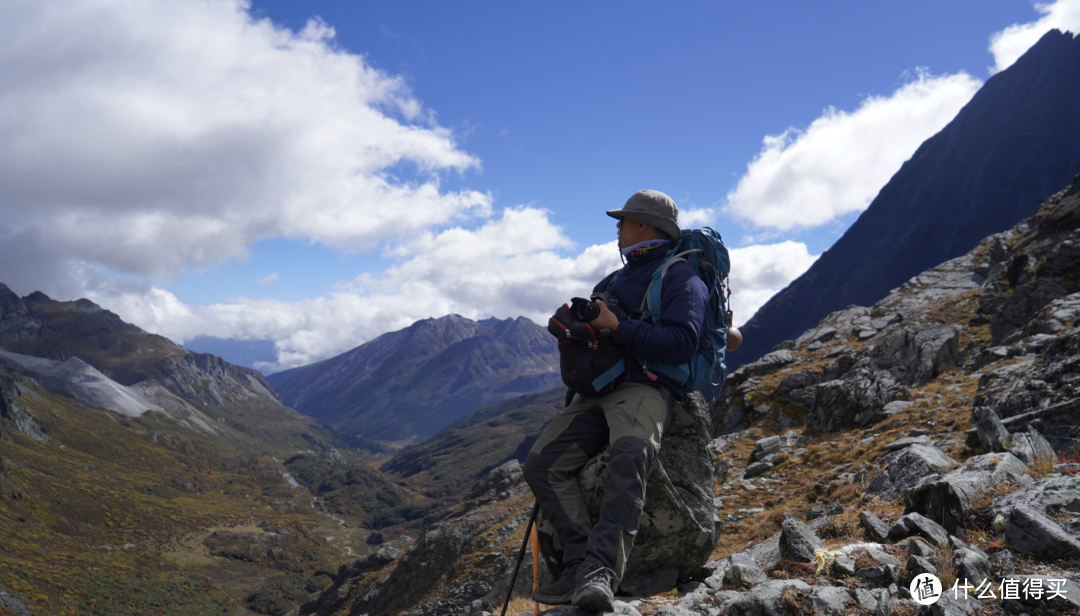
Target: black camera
(584,310)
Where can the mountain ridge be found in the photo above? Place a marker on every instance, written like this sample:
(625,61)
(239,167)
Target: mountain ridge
(413,382)
(1008,150)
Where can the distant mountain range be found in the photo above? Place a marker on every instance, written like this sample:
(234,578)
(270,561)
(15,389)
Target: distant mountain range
(1016,143)
(416,381)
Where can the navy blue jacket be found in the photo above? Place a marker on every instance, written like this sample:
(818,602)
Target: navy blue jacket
(684,299)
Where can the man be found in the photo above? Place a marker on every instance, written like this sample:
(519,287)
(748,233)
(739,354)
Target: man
(631,417)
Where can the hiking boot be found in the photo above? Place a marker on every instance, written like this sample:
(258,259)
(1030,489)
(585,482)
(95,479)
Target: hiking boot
(561,591)
(594,588)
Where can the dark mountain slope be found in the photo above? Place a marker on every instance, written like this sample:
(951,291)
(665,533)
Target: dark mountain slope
(1015,144)
(449,463)
(418,380)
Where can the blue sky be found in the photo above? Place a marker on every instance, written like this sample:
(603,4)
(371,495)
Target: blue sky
(317,173)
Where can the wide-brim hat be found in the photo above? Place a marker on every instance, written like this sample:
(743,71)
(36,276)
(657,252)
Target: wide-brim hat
(653,208)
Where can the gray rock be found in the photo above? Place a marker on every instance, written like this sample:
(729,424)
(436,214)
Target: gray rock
(1031,447)
(875,575)
(654,582)
(742,575)
(621,609)
(765,599)
(971,566)
(918,547)
(1046,494)
(993,437)
(907,441)
(1003,563)
(875,529)
(854,401)
(883,558)
(678,526)
(842,566)
(918,352)
(917,565)
(714,578)
(949,496)
(766,446)
(824,510)
(499,479)
(916,524)
(756,469)
(770,362)
(902,470)
(884,604)
(896,406)
(797,541)
(956,544)
(1032,533)
(834,600)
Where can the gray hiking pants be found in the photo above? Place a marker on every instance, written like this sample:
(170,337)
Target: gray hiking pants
(632,419)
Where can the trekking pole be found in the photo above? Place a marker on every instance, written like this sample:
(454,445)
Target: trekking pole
(521,555)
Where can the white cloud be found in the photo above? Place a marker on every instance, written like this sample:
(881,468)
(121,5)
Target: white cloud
(1012,42)
(691,218)
(152,137)
(272,278)
(759,272)
(839,163)
(508,267)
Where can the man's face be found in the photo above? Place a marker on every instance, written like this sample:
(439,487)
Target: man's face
(630,232)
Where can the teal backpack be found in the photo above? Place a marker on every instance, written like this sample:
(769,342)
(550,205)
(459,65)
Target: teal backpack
(704,251)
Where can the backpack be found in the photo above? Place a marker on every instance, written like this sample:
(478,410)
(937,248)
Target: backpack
(704,251)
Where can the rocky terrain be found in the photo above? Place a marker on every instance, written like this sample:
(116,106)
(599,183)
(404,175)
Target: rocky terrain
(1012,146)
(933,432)
(414,382)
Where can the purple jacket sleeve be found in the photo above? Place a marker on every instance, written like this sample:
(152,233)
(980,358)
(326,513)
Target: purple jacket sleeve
(684,299)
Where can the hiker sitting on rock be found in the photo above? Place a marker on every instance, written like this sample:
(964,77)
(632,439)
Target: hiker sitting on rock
(631,416)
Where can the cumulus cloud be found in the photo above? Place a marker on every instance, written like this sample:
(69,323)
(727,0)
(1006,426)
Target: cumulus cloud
(758,272)
(152,137)
(510,266)
(1012,42)
(805,178)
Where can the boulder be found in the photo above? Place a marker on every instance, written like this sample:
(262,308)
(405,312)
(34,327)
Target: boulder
(875,529)
(855,400)
(678,526)
(1046,494)
(1032,533)
(765,446)
(835,600)
(917,352)
(765,598)
(902,470)
(1031,447)
(971,566)
(499,479)
(797,541)
(917,565)
(743,570)
(993,437)
(914,524)
(948,497)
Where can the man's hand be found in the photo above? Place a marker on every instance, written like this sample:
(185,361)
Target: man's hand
(606,320)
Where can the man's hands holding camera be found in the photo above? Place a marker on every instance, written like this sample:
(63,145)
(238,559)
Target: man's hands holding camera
(607,319)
